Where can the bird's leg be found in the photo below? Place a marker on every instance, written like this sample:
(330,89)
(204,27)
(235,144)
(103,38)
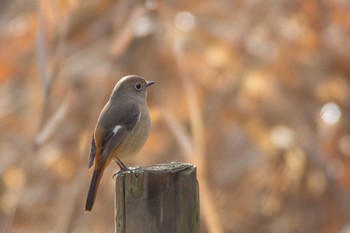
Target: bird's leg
(122,166)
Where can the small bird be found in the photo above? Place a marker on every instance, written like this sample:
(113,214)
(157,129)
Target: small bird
(121,130)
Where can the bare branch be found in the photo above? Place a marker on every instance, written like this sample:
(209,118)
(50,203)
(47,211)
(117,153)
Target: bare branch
(53,123)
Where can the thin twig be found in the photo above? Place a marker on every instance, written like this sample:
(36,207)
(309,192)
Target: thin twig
(185,143)
(42,65)
(126,35)
(209,211)
(193,106)
(41,50)
(53,122)
(210,215)
(67,219)
(48,76)
(9,221)
(180,134)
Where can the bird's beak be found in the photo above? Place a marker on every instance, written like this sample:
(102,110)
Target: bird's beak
(149,83)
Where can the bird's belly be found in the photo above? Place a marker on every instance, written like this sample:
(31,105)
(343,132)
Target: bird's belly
(134,141)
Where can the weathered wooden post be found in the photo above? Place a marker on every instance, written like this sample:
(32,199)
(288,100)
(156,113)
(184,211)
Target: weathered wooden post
(159,199)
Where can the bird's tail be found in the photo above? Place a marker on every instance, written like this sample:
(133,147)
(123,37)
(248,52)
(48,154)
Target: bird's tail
(95,181)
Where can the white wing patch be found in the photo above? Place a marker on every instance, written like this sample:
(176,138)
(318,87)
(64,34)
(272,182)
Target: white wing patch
(139,117)
(116,128)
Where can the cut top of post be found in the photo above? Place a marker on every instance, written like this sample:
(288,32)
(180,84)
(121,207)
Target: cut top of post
(172,167)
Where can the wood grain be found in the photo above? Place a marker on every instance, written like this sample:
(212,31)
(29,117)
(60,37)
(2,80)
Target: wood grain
(160,198)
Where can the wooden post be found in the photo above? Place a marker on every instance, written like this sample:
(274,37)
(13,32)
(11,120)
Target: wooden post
(159,199)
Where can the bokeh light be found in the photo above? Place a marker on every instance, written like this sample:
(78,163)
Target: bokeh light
(185,21)
(330,113)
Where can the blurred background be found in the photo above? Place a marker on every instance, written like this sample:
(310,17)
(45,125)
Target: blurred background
(254,92)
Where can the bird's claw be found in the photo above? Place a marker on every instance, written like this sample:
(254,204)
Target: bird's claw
(120,171)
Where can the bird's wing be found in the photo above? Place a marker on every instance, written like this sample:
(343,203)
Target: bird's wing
(92,152)
(117,130)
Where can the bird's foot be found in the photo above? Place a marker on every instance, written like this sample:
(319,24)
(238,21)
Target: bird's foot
(122,166)
(120,171)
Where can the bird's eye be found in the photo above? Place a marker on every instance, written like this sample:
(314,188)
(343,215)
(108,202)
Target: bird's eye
(138,86)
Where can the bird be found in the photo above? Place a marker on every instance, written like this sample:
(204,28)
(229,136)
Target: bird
(121,130)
